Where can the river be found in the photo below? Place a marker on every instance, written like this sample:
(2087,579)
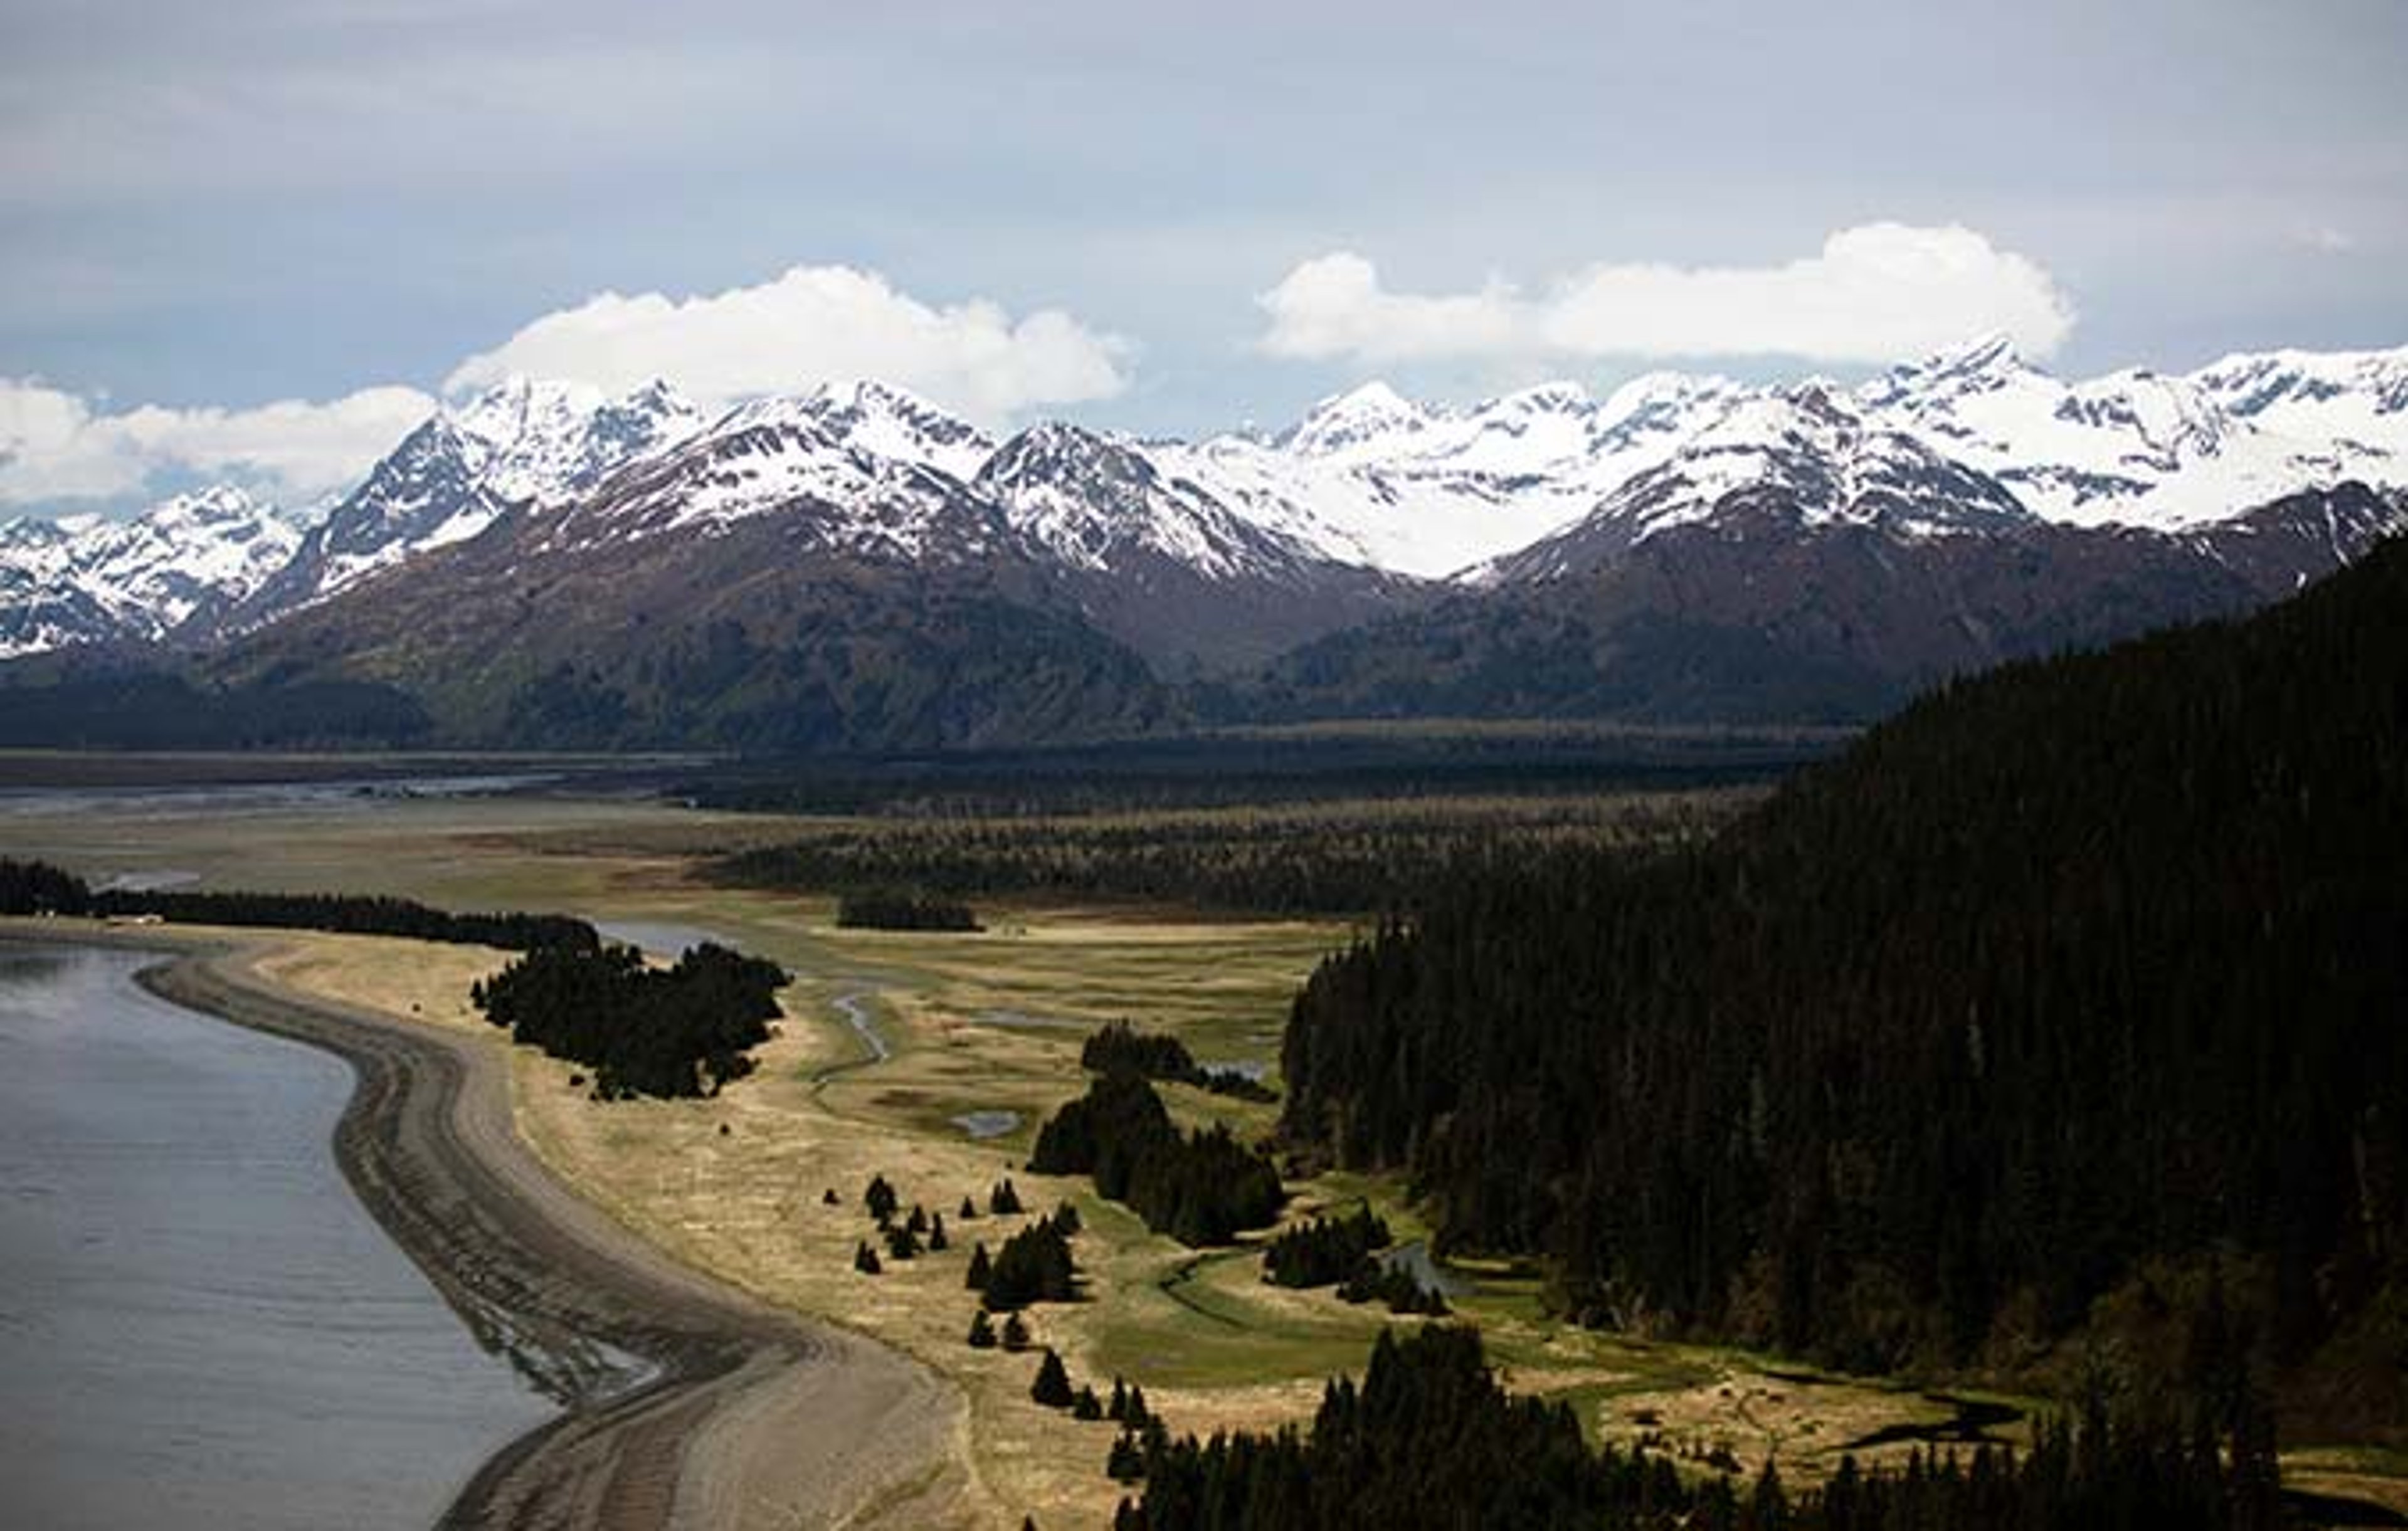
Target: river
(199,1325)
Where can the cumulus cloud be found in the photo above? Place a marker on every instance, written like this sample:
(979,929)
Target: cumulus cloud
(57,445)
(1876,294)
(814,324)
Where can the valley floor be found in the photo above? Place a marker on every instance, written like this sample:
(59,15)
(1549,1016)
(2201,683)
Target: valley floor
(929,1060)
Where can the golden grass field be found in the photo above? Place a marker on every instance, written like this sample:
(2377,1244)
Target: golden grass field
(987,1023)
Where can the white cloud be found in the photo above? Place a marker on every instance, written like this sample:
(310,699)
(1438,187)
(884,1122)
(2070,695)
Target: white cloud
(1876,294)
(814,324)
(56,445)
(2325,239)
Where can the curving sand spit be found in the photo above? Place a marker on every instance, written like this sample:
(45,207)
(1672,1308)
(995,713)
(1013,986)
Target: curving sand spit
(687,1403)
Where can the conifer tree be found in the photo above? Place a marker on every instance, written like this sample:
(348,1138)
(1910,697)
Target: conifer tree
(1052,1387)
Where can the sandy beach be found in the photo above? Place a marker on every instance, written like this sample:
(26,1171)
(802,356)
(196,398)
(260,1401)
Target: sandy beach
(685,1402)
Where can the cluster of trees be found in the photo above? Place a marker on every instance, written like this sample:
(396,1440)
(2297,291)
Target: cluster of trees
(1034,1265)
(679,1031)
(1122,1049)
(1429,1440)
(1326,1250)
(1332,858)
(2082,966)
(33,887)
(903,909)
(1200,1187)
(1392,1283)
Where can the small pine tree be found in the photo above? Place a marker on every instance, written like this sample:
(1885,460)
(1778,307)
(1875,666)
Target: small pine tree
(976,1278)
(1086,1406)
(1052,1385)
(918,1221)
(1126,1463)
(1004,1200)
(829,1198)
(865,1259)
(982,1331)
(1118,1410)
(1015,1332)
(1137,1415)
(901,1244)
(879,1198)
(969,1210)
(938,1242)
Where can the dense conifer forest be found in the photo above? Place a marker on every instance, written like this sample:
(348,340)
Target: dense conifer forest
(2077,989)
(1429,1440)
(677,1031)
(37,888)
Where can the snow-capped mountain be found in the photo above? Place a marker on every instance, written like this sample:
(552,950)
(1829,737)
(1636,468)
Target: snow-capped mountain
(84,580)
(1824,458)
(1101,503)
(1207,556)
(2138,448)
(871,469)
(519,443)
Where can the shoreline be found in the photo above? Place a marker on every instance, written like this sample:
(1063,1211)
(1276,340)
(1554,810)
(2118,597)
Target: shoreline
(740,1413)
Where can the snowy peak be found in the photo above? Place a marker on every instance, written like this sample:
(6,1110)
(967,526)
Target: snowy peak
(521,442)
(84,580)
(867,467)
(2144,449)
(1100,504)
(527,440)
(1797,459)
(1372,421)
(892,423)
(1982,366)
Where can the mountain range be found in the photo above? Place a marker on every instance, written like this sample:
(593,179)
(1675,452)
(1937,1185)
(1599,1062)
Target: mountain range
(855,568)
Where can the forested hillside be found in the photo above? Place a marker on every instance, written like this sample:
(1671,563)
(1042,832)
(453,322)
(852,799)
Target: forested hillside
(2052,987)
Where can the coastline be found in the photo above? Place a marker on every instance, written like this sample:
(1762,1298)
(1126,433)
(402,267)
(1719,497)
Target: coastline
(736,1413)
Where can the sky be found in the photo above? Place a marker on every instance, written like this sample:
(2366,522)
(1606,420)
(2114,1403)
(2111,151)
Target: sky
(261,238)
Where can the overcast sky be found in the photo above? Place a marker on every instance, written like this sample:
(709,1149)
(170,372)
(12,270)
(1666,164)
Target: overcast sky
(260,236)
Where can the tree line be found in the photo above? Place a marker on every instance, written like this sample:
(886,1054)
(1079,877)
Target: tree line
(1121,1047)
(2087,969)
(1324,858)
(672,1032)
(33,887)
(1429,1440)
(903,909)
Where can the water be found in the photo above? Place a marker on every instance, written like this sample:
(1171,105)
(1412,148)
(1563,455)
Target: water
(198,1325)
(983,1124)
(658,938)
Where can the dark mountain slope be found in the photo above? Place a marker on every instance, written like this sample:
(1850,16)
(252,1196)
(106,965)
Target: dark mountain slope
(1763,611)
(758,635)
